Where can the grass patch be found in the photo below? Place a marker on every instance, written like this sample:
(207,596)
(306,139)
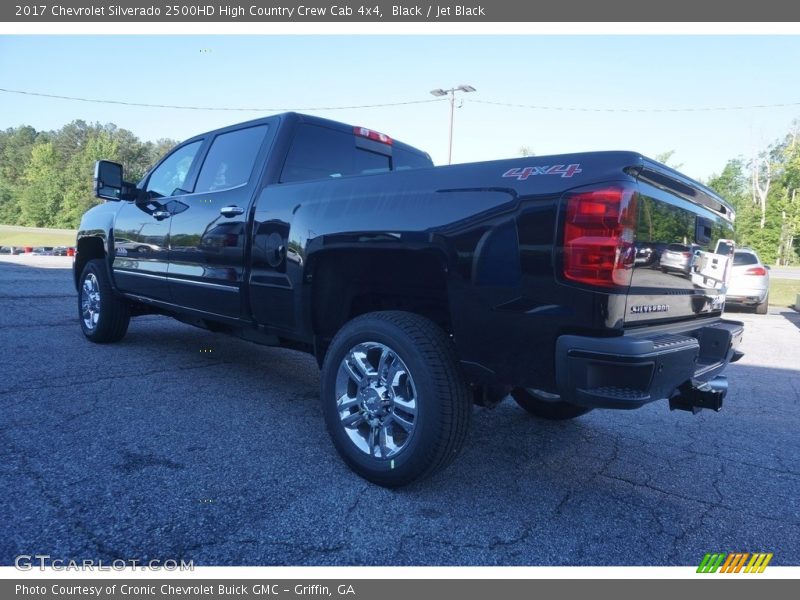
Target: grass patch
(783,292)
(11,235)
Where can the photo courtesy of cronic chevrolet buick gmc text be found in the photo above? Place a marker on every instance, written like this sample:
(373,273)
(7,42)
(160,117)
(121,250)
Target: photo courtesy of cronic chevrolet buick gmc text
(421,290)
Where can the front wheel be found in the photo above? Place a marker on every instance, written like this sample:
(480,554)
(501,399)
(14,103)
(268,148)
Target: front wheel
(395,403)
(104,317)
(551,408)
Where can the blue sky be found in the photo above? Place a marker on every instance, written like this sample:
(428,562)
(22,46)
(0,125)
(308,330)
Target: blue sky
(302,71)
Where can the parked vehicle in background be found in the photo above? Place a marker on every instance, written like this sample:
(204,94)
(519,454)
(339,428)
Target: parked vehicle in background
(123,245)
(43,251)
(645,254)
(749,282)
(60,251)
(677,258)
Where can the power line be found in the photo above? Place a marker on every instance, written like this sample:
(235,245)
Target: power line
(409,102)
(632,110)
(220,108)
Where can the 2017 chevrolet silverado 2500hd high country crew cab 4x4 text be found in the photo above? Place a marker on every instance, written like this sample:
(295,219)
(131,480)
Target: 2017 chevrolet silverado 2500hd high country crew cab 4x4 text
(421,290)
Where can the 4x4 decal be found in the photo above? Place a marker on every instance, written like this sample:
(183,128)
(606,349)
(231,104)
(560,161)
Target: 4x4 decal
(523,173)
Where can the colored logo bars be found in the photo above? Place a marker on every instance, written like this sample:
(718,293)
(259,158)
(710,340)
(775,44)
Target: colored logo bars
(734,562)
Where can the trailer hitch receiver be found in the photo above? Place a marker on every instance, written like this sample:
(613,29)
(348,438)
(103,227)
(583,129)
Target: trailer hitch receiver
(694,395)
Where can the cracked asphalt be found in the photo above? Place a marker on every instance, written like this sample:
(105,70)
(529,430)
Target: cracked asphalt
(179,443)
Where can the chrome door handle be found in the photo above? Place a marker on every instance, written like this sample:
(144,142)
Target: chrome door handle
(231,211)
(160,215)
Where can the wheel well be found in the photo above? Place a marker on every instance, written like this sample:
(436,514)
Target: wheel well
(349,283)
(88,248)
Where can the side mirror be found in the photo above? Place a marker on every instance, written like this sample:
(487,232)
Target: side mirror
(108,180)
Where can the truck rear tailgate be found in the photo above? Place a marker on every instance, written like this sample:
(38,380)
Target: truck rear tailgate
(683,246)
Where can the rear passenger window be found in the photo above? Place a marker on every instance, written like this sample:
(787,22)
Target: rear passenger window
(230,159)
(319,153)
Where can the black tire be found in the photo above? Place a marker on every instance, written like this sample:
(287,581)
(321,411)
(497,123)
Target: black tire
(419,352)
(104,316)
(552,410)
(763,308)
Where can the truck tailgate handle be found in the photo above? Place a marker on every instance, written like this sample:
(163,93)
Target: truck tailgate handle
(160,215)
(231,211)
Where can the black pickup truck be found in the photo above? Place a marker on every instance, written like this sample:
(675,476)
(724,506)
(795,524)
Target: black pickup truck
(421,290)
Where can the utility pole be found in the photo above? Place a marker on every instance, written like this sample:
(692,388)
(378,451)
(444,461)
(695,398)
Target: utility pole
(452,93)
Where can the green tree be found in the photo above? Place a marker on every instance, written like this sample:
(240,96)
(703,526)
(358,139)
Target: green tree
(787,198)
(78,173)
(735,185)
(40,200)
(665,158)
(46,177)
(15,155)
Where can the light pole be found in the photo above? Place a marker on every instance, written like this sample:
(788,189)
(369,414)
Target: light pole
(452,92)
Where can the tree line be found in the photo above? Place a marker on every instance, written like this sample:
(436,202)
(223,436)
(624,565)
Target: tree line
(46,181)
(764,191)
(46,176)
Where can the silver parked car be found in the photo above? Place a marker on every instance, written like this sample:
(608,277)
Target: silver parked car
(749,281)
(677,258)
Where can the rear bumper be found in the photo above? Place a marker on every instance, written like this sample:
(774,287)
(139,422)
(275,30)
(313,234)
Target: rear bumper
(747,297)
(640,367)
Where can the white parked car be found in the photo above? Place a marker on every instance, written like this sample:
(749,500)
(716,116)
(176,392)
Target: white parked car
(749,282)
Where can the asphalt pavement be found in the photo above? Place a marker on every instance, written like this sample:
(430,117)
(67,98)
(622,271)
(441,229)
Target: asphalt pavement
(181,444)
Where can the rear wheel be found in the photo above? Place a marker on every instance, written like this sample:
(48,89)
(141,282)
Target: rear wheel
(104,317)
(549,407)
(394,400)
(763,308)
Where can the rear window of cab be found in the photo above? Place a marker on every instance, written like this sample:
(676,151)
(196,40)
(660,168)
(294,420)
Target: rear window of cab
(323,153)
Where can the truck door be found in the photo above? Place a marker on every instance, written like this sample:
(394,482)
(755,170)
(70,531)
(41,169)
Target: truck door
(141,228)
(208,239)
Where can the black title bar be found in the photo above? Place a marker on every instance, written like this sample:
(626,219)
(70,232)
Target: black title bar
(311,11)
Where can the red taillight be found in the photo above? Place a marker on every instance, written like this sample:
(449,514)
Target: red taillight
(372,135)
(598,236)
(759,271)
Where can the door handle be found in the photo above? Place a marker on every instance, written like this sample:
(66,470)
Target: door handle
(231,211)
(160,215)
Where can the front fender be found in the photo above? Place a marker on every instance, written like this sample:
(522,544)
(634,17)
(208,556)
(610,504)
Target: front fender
(94,238)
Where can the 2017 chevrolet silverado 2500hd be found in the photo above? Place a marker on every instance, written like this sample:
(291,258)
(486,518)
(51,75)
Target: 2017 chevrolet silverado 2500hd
(421,290)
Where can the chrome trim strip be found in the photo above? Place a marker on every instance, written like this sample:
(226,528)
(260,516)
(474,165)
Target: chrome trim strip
(140,274)
(217,286)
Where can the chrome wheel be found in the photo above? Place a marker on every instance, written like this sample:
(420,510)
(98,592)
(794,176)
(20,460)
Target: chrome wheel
(376,400)
(90,301)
